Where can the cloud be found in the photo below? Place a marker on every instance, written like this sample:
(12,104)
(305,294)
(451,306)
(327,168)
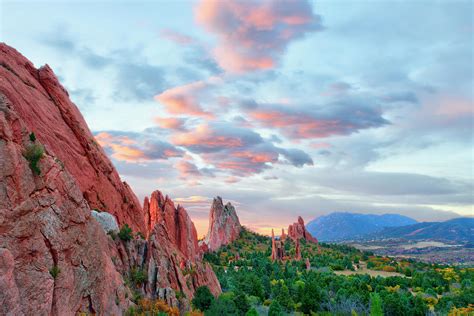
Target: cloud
(187,169)
(343,117)
(170,123)
(252,35)
(134,78)
(177,37)
(215,137)
(237,150)
(135,147)
(186,99)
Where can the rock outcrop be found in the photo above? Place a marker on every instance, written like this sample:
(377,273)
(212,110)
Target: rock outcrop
(181,231)
(45,109)
(224,225)
(278,249)
(298,231)
(55,257)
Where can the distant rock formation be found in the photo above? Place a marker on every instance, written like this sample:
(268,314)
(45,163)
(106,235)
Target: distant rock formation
(224,225)
(308,264)
(45,109)
(278,249)
(298,231)
(283,235)
(297,250)
(55,257)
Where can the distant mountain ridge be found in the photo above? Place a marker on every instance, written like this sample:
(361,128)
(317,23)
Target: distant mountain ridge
(458,230)
(342,226)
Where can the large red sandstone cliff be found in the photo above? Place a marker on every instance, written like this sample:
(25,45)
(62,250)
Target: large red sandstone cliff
(224,225)
(45,108)
(55,259)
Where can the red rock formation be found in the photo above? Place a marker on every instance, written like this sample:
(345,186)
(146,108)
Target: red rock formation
(308,264)
(278,251)
(283,235)
(298,230)
(45,219)
(45,108)
(224,225)
(45,224)
(178,224)
(298,250)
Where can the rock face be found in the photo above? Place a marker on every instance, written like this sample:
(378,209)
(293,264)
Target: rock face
(55,257)
(45,108)
(278,249)
(224,225)
(298,230)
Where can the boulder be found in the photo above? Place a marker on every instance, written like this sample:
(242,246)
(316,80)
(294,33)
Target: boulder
(106,220)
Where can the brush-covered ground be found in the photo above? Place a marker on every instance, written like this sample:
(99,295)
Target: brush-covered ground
(341,281)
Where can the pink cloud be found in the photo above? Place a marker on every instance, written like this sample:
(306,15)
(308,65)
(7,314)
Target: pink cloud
(298,126)
(205,137)
(186,99)
(176,37)
(121,146)
(124,148)
(187,169)
(252,35)
(170,123)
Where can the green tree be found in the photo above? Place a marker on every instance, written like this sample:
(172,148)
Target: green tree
(203,298)
(223,306)
(252,312)
(375,305)
(241,303)
(275,309)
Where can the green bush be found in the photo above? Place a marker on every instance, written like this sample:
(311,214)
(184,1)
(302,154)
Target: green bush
(203,298)
(54,271)
(125,233)
(32,137)
(33,154)
(138,276)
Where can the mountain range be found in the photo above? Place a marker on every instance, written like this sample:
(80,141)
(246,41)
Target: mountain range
(342,226)
(457,230)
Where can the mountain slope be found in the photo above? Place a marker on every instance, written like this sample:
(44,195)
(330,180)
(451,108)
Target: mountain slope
(458,230)
(340,226)
(44,106)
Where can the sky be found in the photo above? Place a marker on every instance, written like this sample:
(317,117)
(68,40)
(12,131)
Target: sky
(286,108)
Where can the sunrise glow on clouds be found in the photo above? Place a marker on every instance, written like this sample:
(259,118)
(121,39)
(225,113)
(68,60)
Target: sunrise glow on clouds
(285,107)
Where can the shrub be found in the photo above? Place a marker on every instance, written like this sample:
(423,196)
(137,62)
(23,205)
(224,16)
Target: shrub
(54,271)
(389,269)
(203,298)
(125,233)
(138,276)
(252,312)
(33,154)
(32,137)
